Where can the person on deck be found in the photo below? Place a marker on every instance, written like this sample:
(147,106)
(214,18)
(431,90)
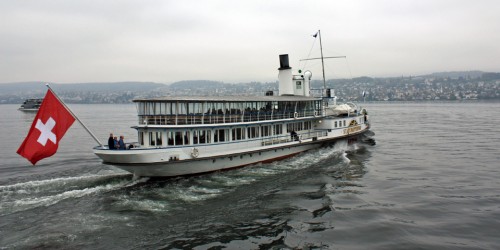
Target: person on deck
(111,141)
(115,140)
(121,143)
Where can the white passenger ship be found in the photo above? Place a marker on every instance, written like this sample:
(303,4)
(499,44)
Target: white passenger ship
(31,105)
(192,135)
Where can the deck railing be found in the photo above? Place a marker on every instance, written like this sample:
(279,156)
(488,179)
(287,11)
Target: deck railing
(288,138)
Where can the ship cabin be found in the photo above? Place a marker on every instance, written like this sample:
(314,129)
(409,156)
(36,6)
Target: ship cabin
(187,121)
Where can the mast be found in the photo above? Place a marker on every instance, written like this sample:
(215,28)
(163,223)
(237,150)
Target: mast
(322,58)
(322,61)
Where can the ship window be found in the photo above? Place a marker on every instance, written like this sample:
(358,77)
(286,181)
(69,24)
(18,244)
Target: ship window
(209,136)
(265,130)
(195,136)
(170,138)
(253,132)
(163,109)
(335,123)
(178,138)
(344,123)
(298,84)
(150,109)
(278,129)
(158,139)
(190,108)
(219,135)
(182,107)
(139,107)
(307,125)
(201,136)
(186,138)
(141,138)
(152,138)
(155,138)
(220,108)
(237,133)
(157,108)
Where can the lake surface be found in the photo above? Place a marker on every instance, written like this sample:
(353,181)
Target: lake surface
(432,181)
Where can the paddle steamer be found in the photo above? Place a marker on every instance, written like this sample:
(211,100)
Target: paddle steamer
(192,135)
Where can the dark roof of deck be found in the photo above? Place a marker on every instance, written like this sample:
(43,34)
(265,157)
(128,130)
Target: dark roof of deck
(290,98)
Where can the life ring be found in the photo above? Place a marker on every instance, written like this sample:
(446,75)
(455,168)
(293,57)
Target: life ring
(295,115)
(315,113)
(195,153)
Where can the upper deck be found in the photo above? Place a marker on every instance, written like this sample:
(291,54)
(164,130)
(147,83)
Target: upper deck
(188,110)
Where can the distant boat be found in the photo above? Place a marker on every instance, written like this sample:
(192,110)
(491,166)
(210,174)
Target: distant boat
(31,105)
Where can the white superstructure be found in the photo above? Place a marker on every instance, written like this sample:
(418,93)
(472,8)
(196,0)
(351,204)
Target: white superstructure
(191,135)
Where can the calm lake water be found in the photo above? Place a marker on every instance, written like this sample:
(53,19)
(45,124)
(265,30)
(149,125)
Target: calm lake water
(432,181)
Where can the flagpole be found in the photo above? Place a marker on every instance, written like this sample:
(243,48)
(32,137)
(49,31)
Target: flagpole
(73,114)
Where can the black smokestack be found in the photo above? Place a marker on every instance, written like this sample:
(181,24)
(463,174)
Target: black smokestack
(284,62)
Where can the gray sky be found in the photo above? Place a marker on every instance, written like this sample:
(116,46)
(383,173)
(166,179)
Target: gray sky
(239,41)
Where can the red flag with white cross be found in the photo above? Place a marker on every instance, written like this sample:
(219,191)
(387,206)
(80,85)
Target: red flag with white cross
(50,124)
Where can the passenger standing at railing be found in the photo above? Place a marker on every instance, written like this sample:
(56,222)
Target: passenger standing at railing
(111,141)
(121,143)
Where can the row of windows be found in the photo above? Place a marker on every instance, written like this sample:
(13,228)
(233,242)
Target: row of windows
(339,124)
(297,126)
(205,136)
(234,134)
(184,108)
(343,123)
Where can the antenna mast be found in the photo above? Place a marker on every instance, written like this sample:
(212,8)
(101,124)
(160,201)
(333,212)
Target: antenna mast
(322,61)
(322,58)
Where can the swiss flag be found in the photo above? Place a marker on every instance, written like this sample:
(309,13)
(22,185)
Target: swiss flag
(50,124)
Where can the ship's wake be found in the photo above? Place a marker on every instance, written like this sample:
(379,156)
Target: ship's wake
(163,195)
(32,194)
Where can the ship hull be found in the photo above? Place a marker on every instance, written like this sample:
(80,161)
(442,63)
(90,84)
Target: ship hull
(153,162)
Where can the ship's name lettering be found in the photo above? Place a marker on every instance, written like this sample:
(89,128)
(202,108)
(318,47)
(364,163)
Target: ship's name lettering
(352,129)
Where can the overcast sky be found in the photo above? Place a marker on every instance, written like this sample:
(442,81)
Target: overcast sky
(239,41)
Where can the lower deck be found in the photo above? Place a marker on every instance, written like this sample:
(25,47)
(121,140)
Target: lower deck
(163,162)
(188,150)
(265,133)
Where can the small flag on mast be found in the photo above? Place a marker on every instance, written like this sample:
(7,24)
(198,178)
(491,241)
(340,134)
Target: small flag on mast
(315,35)
(49,126)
